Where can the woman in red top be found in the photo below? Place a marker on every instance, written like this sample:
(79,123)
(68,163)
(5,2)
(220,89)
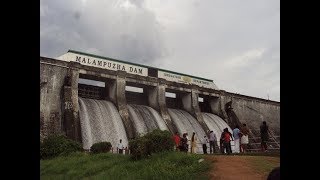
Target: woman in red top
(227,136)
(176,139)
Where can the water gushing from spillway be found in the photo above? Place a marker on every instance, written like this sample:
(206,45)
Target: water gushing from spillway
(145,119)
(100,121)
(186,123)
(216,124)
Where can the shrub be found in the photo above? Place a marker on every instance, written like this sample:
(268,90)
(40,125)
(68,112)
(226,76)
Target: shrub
(159,141)
(153,142)
(100,147)
(55,145)
(138,148)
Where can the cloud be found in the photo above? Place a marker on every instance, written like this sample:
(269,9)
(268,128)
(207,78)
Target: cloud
(235,43)
(244,59)
(119,29)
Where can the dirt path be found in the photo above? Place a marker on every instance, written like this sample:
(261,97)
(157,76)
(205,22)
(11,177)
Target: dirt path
(240,167)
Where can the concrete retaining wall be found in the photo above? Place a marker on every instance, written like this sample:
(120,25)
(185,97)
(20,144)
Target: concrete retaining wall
(51,84)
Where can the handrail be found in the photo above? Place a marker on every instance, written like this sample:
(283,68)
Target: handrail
(271,134)
(260,149)
(266,142)
(259,137)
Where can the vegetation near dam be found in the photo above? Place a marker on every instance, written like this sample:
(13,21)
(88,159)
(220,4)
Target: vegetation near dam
(61,158)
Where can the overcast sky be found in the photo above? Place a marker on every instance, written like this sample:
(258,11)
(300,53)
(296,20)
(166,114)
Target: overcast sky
(236,43)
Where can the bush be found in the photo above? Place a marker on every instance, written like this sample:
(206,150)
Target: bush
(153,142)
(55,145)
(159,141)
(100,147)
(138,148)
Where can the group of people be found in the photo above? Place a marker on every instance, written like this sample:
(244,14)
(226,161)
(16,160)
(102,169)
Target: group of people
(240,139)
(240,136)
(182,143)
(121,149)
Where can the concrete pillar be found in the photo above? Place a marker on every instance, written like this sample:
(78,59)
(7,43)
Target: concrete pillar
(222,103)
(70,103)
(191,104)
(215,106)
(153,97)
(187,102)
(117,94)
(157,100)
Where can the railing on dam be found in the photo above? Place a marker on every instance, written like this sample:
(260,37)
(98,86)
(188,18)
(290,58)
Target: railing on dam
(273,143)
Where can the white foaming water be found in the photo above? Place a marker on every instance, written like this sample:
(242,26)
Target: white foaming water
(100,121)
(186,123)
(145,119)
(216,124)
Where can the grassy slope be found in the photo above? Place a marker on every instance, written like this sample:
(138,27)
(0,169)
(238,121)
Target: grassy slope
(168,165)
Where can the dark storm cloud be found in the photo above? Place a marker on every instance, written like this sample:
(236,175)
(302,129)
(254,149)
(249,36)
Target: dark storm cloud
(118,29)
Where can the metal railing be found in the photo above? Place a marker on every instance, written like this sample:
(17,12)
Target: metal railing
(273,141)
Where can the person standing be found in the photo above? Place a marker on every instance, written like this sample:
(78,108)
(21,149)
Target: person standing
(188,142)
(244,141)
(226,140)
(212,142)
(184,143)
(204,144)
(120,147)
(126,150)
(176,139)
(193,143)
(264,129)
(236,135)
(222,148)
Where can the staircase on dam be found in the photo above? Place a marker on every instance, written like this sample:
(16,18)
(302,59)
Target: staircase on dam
(273,143)
(254,134)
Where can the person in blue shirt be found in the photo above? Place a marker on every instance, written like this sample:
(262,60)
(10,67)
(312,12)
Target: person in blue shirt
(236,135)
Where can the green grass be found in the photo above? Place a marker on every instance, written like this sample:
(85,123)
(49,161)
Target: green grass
(166,165)
(264,164)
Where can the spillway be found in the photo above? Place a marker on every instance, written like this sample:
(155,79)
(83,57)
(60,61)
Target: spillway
(100,121)
(145,119)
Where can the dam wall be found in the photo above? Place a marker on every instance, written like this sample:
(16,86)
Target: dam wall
(161,93)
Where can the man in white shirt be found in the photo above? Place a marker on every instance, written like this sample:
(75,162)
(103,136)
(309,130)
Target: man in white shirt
(120,147)
(204,144)
(212,141)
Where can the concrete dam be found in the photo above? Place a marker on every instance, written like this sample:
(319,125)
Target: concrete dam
(126,100)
